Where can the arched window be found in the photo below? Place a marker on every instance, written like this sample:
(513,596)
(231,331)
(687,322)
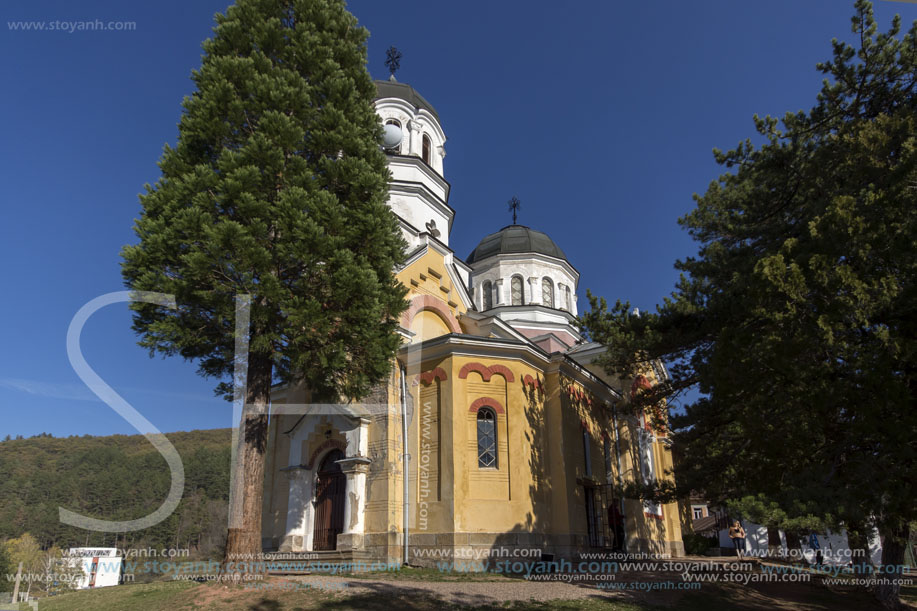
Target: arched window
(391,141)
(487,297)
(516,286)
(547,292)
(427,149)
(487,438)
(567,299)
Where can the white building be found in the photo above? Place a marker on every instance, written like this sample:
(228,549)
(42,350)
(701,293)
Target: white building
(101,566)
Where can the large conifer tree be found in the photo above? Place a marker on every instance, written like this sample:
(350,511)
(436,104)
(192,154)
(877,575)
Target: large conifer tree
(796,319)
(276,189)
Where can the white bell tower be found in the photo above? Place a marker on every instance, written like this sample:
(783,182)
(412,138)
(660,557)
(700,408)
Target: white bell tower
(414,143)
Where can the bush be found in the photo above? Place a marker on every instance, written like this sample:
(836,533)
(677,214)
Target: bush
(697,545)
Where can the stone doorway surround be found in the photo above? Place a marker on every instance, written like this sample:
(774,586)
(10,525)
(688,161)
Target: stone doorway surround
(312,438)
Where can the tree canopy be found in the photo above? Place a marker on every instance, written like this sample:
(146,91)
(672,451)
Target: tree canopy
(276,189)
(116,477)
(796,319)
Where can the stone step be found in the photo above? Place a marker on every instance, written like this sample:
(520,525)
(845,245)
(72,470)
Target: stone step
(307,563)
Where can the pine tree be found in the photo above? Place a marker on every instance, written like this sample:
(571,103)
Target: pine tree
(277,189)
(796,320)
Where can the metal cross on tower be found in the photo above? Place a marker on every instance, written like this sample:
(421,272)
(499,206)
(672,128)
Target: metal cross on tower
(392,60)
(514,205)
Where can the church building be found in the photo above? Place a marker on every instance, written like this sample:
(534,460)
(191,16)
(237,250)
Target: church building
(495,431)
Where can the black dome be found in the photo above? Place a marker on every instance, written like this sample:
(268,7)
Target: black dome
(402,91)
(516,239)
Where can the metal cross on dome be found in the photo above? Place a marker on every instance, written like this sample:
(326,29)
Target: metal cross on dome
(514,205)
(392,60)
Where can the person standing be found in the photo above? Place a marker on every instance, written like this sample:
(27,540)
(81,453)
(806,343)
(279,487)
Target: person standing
(737,534)
(813,543)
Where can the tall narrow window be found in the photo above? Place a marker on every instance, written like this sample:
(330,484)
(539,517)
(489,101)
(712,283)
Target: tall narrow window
(516,286)
(487,438)
(592,523)
(567,299)
(426,149)
(648,469)
(487,297)
(606,450)
(547,292)
(587,454)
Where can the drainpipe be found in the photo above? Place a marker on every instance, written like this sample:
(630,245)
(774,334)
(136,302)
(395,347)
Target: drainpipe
(614,420)
(405,457)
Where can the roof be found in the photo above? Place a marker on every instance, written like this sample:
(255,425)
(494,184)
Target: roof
(403,91)
(516,239)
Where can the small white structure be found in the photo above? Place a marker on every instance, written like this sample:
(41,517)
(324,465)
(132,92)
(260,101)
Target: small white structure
(101,566)
(834,547)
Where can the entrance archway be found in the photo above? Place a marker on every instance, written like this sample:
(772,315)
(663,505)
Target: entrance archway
(329,502)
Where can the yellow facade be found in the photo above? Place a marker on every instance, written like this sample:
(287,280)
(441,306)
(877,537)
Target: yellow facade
(550,413)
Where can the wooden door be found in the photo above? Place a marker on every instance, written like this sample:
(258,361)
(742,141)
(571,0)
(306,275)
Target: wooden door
(329,503)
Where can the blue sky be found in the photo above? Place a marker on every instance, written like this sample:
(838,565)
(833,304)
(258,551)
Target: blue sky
(600,116)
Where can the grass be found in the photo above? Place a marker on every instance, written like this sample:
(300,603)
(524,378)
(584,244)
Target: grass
(158,595)
(426,574)
(180,596)
(395,593)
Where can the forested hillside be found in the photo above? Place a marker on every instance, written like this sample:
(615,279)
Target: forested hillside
(118,477)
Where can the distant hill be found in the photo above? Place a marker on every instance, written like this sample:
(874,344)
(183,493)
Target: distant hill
(117,477)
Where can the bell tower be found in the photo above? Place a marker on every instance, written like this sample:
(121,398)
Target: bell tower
(414,144)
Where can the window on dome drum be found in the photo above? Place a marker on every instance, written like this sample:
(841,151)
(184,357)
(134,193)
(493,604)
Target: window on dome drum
(567,299)
(427,148)
(487,438)
(396,123)
(487,297)
(547,292)
(516,286)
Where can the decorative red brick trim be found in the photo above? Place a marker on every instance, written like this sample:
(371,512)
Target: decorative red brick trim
(579,395)
(328,443)
(427,377)
(487,372)
(640,383)
(484,370)
(488,402)
(428,302)
(503,370)
(530,381)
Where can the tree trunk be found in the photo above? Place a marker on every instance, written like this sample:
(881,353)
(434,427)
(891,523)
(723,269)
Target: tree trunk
(794,546)
(243,544)
(858,542)
(888,587)
(773,541)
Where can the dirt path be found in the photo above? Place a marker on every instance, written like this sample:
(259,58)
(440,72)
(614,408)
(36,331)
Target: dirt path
(458,592)
(751,597)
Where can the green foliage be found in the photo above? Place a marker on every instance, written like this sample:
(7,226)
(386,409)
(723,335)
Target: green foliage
(6,566)
(761,510)
(277,189)
(796,320)
(115,478)
(697,545)
(24,549)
